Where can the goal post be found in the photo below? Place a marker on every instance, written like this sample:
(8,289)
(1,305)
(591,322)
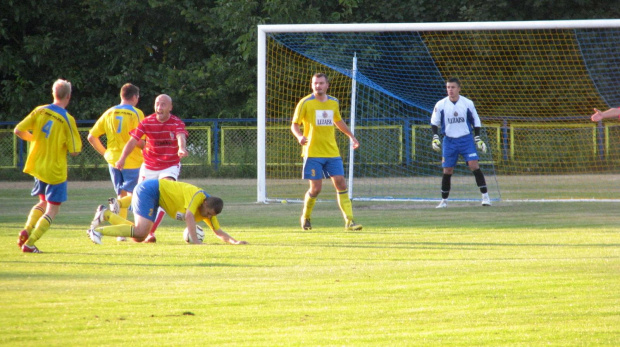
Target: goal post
(534,85)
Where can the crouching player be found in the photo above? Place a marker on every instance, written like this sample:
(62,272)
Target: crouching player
(180,200)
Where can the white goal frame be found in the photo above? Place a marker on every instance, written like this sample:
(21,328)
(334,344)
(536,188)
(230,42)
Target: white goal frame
(263,30)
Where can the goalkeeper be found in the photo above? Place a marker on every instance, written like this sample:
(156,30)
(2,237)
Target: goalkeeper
(456,115)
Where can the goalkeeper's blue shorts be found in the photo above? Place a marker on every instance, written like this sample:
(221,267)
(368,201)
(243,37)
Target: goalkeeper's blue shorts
(319,168)
(453,147)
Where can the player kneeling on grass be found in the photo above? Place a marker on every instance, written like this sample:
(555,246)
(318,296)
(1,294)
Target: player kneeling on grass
(180,200)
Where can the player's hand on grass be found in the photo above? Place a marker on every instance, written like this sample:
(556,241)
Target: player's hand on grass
(436,143)
(480,144)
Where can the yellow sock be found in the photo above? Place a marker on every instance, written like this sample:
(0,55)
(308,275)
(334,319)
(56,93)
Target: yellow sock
(115,219)
(125,230)
(35,214)
(309,202)
(42,225)
(345,205)
(124,204)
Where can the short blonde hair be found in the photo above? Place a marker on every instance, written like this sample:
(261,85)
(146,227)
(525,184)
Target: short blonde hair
(61,89)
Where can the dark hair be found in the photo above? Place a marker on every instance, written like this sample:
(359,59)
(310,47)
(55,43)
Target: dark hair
(319,75)
(454,80)
(128,91)
(215,203)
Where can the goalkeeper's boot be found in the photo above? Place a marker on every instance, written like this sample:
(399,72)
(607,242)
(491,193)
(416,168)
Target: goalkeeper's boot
(29,249)
(443,203)
(150,238)
(22,238)
(99,217)
(305,223)
(94,236)
(486,201)
(352,226)
(115,207)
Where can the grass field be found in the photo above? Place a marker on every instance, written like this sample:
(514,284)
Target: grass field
(519,274)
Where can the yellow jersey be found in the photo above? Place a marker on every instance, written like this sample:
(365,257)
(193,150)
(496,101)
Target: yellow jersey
(54,134)
(116,123)
(318,120)
(176,198)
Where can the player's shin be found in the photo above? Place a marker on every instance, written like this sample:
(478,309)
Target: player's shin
(345,205)
(309,202)
(35,214)
(125,230)
(42,226)
(480,181)
(446,182)
(158,219)
(116,219)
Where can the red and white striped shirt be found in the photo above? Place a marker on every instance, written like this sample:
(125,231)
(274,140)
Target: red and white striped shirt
(162,147)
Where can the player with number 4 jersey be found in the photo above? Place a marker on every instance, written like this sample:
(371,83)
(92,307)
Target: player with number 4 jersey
(51,132)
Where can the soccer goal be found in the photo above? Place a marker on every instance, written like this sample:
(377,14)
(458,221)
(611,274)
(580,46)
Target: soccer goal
(534,85)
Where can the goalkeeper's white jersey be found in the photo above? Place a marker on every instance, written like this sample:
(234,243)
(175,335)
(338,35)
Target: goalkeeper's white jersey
(455,118)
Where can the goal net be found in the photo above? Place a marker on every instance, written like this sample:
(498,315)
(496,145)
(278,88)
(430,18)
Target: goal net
(534,85)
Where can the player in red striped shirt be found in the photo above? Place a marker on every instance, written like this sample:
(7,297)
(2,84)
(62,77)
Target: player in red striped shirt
(165,146)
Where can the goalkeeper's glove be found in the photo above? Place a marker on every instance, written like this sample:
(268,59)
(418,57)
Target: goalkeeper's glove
(480,144)
(436,143)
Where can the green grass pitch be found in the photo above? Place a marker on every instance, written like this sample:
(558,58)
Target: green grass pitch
(519,274)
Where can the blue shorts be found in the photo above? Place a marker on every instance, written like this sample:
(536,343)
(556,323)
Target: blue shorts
(453,147)
(53,192)
(145,199)
(319,168)
(125,179)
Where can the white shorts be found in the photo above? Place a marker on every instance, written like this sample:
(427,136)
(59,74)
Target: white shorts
(172,172)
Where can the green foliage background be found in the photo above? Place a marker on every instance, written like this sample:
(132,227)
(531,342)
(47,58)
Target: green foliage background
(202,53)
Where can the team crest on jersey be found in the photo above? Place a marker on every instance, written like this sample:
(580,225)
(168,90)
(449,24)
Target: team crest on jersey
(456,114)
(171,135)
(324,117)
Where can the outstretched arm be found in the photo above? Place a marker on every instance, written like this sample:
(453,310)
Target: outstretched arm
(611,113)
(222,235)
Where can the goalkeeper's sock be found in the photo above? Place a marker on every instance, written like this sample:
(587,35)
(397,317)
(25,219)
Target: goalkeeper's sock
(446,181)
(125,230)
(309,202)
(42,225)
(35,214)
(480,181)
(345,204)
